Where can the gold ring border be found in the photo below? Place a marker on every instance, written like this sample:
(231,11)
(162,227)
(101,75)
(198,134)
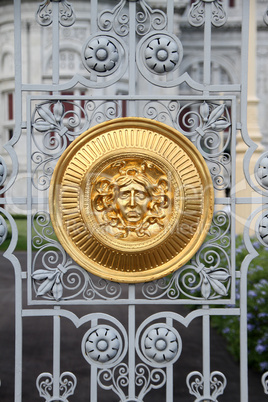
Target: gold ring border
(198,238)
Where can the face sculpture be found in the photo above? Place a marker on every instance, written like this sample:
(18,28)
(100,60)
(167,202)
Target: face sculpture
(132,200)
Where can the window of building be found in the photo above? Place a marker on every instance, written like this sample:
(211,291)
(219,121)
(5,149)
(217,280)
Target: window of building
(10,106)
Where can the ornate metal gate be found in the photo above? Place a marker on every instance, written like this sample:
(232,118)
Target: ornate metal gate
(131,63)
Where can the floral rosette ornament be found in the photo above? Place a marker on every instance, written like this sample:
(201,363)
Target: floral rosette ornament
(162,54)
(161,345)
(100,55)
(102,345)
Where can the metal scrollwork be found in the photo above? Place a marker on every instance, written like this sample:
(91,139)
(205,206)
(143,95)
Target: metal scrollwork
(66,15)
(203,123)
(207,125)
(207,276)
(264,381)
(195,383)
(209,272)
(148,19)
(115,379)
(45,385)
(60,278)
(118,19)
(58,125)
(148,379)
(198,11)
(102,111)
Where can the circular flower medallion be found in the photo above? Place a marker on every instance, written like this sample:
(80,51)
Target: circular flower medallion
(101,55)
(3,171)
(162,54)
(3,230)
(263,230)
(161,344)
(102,345)
(261,171)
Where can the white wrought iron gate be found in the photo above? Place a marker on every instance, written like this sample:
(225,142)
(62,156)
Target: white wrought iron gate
(132,61)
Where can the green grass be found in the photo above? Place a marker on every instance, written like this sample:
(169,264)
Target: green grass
(21,222)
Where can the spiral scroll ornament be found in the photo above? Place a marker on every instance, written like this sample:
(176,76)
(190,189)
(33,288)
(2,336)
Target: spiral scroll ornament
(46,384)
(66,15)
(197,13)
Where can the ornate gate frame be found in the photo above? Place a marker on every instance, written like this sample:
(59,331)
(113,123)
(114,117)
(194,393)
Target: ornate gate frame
(211,116)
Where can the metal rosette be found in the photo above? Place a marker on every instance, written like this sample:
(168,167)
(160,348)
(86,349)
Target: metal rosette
(261,171)
(3,171)
(103,346)
(159,53)
(103,56)
(131,200)
(160,345)
(261,228)
(3,230)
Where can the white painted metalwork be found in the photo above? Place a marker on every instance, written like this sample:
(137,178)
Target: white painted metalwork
(134,46)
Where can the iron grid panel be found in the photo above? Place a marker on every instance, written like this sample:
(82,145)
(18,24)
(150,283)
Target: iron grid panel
(130,33)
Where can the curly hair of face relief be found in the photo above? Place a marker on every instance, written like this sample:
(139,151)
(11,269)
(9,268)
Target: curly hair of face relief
(108,192)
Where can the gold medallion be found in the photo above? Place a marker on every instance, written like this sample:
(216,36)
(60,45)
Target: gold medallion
(131,200)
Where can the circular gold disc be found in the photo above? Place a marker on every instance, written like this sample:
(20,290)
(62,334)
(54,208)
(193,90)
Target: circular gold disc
(131,200)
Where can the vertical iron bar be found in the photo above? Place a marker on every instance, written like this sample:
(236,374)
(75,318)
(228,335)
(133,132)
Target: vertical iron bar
(29,200)
(243,281)
(132,57)
(94,16)
(93,374)
(56,355)
(233,194)
(131,342)
(169,372)
(206,353)
(28,45)
(18,118)
(170,15)
(207,44)
(55,43)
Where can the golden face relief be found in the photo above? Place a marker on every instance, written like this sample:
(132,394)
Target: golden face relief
(132,203)
(131,200)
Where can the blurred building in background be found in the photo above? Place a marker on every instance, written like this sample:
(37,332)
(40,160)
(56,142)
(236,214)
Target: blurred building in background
(37,62)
